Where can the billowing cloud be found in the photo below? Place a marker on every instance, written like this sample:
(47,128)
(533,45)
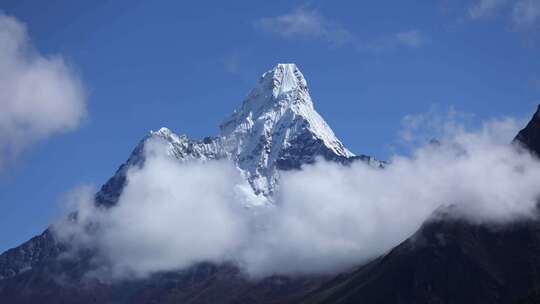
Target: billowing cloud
(170,215)
(39,95)
(324,218)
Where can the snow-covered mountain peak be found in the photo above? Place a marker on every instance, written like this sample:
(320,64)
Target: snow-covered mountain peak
(277,116)
(281,101)
(274,90)
(276,128)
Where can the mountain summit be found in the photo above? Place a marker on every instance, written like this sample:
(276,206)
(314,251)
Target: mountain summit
(277,127)
(280,102)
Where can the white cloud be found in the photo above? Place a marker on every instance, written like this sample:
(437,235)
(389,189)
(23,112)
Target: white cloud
(485,8)
(170,215)
(307,24)
(327,217)
(418,129)
(39,95)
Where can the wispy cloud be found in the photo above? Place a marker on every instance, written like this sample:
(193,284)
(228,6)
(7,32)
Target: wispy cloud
(485,8)
(310,24)
(420,128)
(39,95)
(305,23)
(523,14)
(526,14)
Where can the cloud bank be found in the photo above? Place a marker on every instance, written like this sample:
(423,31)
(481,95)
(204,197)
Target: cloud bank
(324,218)
(39,95)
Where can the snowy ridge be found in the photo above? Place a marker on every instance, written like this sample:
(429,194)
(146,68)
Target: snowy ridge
(184,148)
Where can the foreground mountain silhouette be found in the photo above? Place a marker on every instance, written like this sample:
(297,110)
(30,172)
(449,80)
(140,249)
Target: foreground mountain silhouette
(277,129)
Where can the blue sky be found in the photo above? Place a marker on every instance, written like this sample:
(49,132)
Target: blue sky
(144,65)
